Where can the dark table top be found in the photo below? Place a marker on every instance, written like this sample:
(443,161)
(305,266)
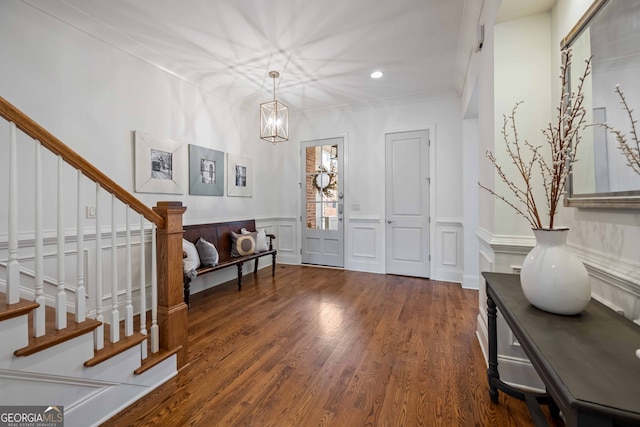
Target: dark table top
(588,360)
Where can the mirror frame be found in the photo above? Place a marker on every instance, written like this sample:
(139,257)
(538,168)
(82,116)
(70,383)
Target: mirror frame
(621,199)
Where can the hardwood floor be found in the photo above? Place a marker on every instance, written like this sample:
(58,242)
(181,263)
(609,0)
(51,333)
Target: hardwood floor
(325,347)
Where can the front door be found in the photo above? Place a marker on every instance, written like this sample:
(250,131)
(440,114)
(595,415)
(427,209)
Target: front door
(407,203)
(322,202)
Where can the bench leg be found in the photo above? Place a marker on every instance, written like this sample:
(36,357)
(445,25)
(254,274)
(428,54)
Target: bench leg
(255,267)
(187,291)
(240,276)
(273,264)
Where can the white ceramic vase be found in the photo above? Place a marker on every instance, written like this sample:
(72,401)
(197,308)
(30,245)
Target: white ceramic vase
(553,278)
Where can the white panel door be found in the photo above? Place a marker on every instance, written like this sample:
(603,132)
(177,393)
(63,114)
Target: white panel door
(322,202)
(407,203)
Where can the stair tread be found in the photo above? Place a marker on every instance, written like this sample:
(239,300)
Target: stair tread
(112,349)
(9,311)
(154,359)
(53,336)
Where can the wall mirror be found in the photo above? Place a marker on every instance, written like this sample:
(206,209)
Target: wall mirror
(610,33)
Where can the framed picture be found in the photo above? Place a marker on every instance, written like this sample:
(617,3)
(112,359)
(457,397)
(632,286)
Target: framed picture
(239,176)
(160,164)
(206,171)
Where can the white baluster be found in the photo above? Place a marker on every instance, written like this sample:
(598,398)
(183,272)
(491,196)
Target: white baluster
(99,332)
(13,266)
(115,314)
(128,316)
(61,296)
(38,313)
(155,332)
(143,289)
(81,292)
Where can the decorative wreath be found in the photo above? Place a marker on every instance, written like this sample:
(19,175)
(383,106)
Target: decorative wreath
(325,181)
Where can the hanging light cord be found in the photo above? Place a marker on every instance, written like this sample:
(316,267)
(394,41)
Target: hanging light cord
(274,89)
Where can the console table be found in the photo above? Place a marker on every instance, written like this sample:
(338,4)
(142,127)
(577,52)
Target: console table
(587,362)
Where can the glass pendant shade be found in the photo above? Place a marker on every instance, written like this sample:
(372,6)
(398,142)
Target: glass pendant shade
(274,117)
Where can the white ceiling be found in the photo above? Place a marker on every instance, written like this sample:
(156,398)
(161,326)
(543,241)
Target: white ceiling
(514,9)
(324,50)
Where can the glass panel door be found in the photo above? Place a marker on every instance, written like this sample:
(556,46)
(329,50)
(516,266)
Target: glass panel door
(322,201)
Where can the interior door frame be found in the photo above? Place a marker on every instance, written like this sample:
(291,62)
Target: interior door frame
(431,130)
(346,243)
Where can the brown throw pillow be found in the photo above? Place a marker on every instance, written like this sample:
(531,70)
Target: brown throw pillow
(243,245)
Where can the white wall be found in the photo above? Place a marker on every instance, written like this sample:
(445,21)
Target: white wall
(471,152)
(364,128)
(92,96)
(521,73)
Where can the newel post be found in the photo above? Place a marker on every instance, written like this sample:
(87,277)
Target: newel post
(172,311)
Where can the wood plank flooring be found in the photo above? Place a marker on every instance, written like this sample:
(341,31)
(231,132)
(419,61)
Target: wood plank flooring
(325,347)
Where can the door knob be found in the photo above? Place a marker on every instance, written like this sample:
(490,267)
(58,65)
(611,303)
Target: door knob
(389,221)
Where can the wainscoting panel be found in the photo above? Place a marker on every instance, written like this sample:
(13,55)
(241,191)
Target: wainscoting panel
(287,241)
(363,243)
(449,250)
(27,274)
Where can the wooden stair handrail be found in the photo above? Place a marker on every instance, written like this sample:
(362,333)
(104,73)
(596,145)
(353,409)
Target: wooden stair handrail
(53,144)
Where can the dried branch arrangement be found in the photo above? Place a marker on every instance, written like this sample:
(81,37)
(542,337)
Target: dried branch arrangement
(563,139)
(631,150)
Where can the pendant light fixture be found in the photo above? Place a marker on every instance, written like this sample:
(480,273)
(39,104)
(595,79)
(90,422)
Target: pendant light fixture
(274,117)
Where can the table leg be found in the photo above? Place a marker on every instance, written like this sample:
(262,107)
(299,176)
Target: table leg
(492,371)
(554,410)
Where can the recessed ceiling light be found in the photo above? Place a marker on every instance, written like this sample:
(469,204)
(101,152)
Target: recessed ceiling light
(376,74)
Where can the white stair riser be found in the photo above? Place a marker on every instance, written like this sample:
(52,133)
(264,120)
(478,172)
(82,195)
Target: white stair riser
(65,359)
(14,334)
(100,408)
(118,368)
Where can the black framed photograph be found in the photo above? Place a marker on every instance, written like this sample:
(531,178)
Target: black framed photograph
(206,171)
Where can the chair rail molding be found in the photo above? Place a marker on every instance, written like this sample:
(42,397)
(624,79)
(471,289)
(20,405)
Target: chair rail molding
(371,219)
(506,244)
(450,221)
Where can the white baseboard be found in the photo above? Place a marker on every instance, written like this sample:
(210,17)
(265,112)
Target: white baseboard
(470,282)
(483,336)
(366,267)
(454,276)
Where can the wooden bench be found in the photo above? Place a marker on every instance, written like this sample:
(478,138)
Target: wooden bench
(220,235)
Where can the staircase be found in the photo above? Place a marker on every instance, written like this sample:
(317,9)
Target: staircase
(67,339)
(62,368)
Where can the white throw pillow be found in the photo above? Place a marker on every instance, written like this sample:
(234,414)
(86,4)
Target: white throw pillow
(192,261)
(261,241)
